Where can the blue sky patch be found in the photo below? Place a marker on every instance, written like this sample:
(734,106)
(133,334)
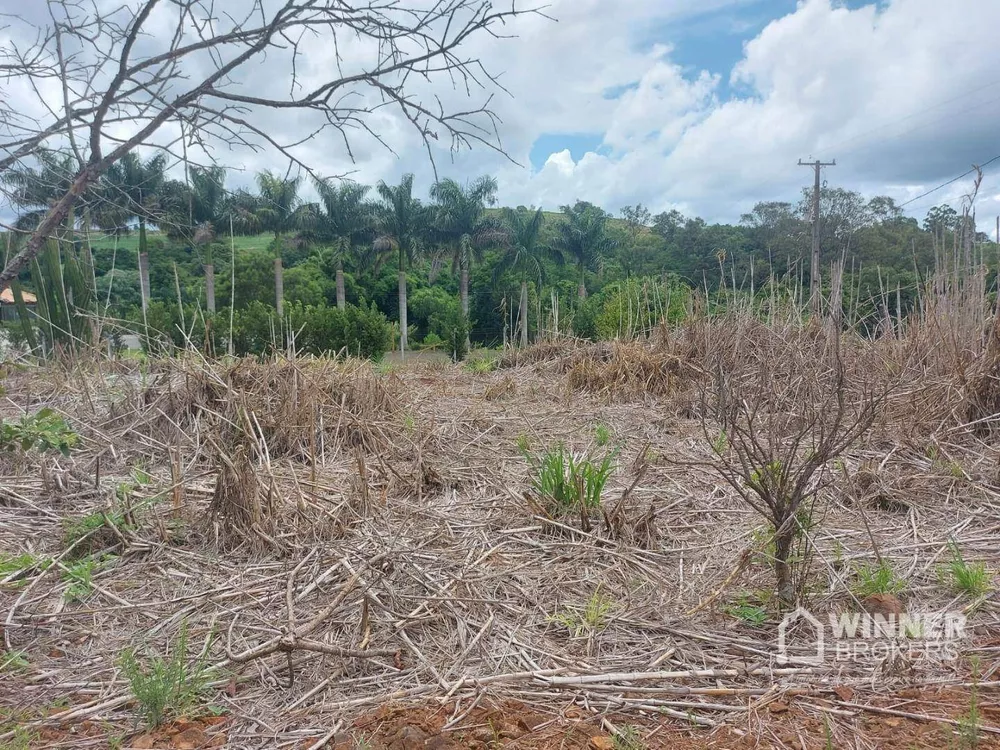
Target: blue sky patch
(578,144)
(714,41)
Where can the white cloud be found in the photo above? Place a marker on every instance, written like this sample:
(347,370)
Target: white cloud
(856,85)
(904,95)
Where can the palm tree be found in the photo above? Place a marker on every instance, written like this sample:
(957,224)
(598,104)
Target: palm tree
(525,254)
(136,186)
(461,219)
(196,213)
(344,220)
(401,224)
(583,238)
(279,212)
(206,204)
(34,191)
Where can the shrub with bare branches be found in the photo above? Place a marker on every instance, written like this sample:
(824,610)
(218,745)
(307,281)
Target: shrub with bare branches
(785,405)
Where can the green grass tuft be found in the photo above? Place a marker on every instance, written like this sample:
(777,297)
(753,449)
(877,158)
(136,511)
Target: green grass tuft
(568,481)
(971,579)
(877,579)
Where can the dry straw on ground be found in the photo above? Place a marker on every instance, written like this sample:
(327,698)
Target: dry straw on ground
(350,538)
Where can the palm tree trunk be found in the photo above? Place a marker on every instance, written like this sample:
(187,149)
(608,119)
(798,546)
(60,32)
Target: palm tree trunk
(402,301)
(143,265)
(582,289)
(279,276)
(279,286)
(210,287)
(341,295)
(523,313)
(464,288)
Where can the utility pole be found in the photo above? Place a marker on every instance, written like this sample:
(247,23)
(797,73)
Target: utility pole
(814,295)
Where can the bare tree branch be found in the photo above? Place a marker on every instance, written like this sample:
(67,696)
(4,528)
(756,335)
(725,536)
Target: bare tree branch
(142,65)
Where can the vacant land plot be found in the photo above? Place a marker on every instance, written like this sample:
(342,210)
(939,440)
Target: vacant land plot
(310,554)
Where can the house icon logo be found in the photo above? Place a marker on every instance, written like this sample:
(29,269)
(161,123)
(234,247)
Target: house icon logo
(809,621)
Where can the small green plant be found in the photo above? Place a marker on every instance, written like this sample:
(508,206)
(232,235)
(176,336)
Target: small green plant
(592,618)
(602,434)
(879,578)
(496,741)
(570,481)
(409,423)
(748,611)
(13,564)
(628,738)
(838,555)
(13,661)
(79,574)
(767,476)
(969,729)
(481,365)
(720,443)
(827,734)
(523,444)
(43,431)
(140,475)
(971,579)
(166,686)
(23,739)
(77,528)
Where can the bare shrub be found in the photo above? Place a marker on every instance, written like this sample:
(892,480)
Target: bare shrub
(785,402)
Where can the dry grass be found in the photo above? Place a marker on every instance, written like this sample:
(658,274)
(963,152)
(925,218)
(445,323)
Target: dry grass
(347,538)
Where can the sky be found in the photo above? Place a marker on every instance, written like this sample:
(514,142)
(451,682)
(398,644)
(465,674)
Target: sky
(706,106)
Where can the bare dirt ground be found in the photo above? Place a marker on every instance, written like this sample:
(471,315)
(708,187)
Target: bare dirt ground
(398,586)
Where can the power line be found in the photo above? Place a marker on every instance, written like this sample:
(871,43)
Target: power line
(949,182)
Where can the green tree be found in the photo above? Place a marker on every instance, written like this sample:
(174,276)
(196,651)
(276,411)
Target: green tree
(343,221)
(196,213)
(461,218)
(402,223)
(135,188)
(631,254)
(583,238)
(279,211)
(525,254)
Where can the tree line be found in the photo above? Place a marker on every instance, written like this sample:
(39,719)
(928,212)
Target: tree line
(450,269)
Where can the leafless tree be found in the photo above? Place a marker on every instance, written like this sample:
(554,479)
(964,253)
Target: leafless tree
(782,404)
(100,79)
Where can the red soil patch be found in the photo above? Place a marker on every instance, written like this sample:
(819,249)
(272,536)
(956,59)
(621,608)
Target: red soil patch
(796,724)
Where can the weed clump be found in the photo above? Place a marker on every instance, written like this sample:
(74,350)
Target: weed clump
(626,370)
(566,481)
(43,431)
(238,513)
(165,686)
(879,578)
(971,579)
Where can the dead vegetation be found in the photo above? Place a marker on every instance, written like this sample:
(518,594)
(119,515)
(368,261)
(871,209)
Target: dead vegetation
(333,538)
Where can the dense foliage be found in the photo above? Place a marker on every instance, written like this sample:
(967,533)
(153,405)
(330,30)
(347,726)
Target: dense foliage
(454,268)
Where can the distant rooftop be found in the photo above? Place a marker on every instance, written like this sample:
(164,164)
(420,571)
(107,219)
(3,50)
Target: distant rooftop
(7,297)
